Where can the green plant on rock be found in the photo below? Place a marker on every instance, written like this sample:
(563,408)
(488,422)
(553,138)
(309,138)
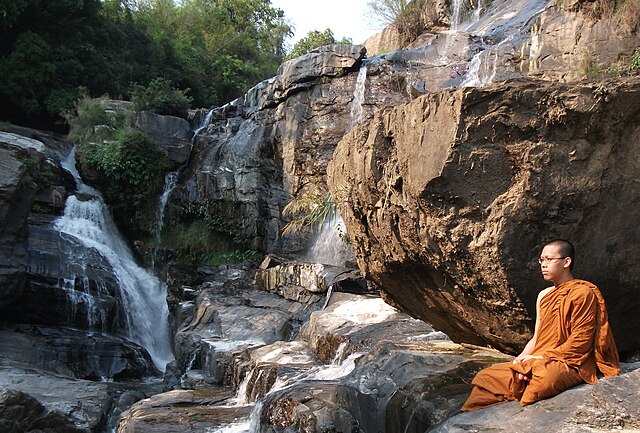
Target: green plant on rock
(161,97)
(200,234)
(91,120)
(307,212)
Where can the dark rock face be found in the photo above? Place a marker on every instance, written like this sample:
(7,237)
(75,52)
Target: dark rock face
(74,353)
(16,194)
(448,198)
(274,144)
(20,412)
(171,134)
(63,292)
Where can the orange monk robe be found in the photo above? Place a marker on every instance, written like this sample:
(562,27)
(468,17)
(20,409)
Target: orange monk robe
(574,340)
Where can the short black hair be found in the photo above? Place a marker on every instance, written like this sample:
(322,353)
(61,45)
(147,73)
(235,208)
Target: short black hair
(566,249)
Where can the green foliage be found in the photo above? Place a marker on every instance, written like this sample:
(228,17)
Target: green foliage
(125,163)
(307,212)
(130,161)
(201,235)
(218,49)
(91,122)
(634,64)
(161,97)
(385,12)
(313,40)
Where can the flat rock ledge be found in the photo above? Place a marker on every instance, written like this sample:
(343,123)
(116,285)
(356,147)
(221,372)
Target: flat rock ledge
(611,405)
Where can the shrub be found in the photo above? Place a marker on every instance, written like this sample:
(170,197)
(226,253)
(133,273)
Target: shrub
(199,234)
(162,98)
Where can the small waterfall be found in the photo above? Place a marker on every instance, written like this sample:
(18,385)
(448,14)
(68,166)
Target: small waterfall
(330,246)
(171,178)
(143,296)
(484,66)
(357,109)
(458,9)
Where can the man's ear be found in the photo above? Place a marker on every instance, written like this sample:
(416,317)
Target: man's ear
(567,262)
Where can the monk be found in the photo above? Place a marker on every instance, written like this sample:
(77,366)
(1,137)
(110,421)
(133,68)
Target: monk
(571,340)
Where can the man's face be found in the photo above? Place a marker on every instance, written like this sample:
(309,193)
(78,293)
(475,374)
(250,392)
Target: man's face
(553,264)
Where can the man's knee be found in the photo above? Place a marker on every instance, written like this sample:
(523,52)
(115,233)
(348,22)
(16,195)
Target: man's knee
(549,378)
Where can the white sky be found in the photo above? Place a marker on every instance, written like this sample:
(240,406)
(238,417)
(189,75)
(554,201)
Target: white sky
(345,18)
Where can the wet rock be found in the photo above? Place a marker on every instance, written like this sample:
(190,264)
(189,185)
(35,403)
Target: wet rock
(77,405)
(181,412)
(448,198)
(16,194)
(227,319)
(74,353)
(391,372)
(20,412)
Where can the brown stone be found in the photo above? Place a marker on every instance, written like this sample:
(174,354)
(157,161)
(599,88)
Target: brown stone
(448,198)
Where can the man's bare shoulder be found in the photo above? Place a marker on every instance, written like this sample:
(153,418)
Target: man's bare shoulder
(545,291)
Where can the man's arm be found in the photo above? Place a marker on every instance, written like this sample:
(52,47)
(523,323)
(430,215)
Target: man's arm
(531,345)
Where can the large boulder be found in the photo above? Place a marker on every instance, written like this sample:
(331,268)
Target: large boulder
(448,198)
(172,135)
(16,194)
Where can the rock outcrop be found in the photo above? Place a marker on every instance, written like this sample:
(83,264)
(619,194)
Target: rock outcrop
(16,194)
(569,43)
(274,144)
(172,135)
(447,199)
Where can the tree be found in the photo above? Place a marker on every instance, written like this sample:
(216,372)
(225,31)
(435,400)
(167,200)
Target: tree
(386,11)
(313,40)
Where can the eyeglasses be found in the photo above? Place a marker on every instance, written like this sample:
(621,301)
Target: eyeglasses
(542,260)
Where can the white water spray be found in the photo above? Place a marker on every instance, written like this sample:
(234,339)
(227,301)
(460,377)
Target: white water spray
(330,246)
(86,218)
(357,109)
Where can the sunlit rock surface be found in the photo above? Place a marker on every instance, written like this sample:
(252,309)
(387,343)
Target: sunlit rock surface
(448,198)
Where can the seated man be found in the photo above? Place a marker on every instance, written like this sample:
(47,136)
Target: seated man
(571,340)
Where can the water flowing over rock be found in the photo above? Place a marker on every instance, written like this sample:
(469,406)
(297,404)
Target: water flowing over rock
(447,199)
(350,364)
(63,316)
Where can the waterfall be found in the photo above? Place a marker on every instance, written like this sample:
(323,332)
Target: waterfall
(357,110)
(329,246)
(458,9)
(171,179)
(87,219)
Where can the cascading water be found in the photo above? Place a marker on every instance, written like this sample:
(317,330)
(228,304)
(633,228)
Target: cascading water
(329,246)
(357,110)
(503,24)
(143,296)
(171,179)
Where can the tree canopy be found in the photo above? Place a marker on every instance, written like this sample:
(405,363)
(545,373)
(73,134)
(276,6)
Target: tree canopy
(314,39)
(52,52)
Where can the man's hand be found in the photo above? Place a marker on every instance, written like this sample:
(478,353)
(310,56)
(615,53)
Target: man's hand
(523,358)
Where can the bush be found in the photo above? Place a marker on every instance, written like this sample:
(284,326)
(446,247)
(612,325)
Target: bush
(162,98)
(199,234)
(131,176)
